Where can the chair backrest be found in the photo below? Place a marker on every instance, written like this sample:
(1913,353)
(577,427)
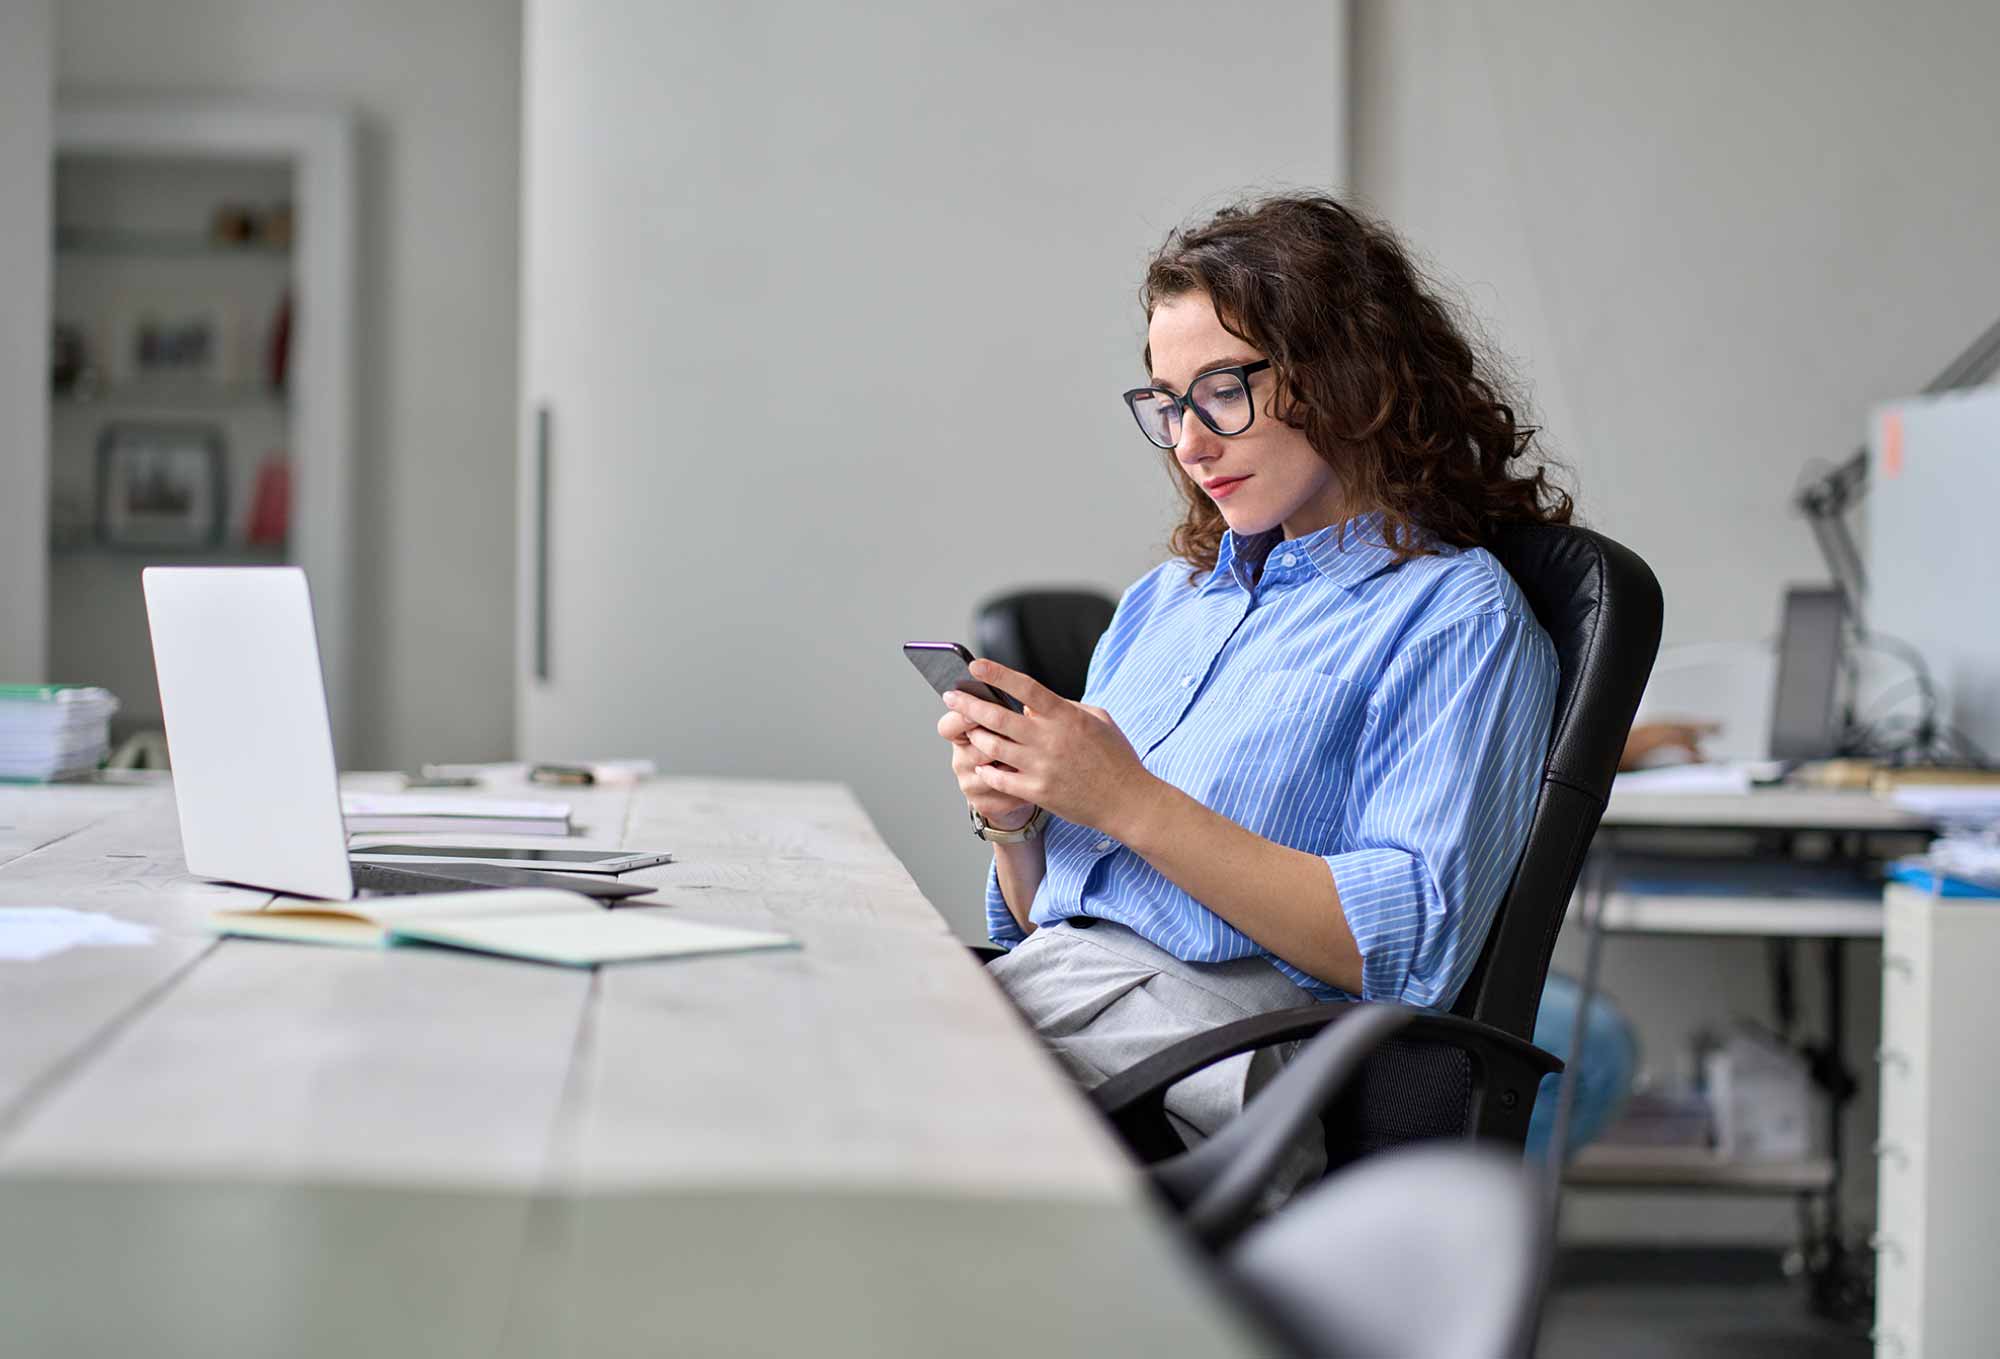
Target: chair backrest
(1048,634)
(1432,1252)
(1601,606)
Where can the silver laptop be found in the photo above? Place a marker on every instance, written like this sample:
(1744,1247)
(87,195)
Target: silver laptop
(244,702)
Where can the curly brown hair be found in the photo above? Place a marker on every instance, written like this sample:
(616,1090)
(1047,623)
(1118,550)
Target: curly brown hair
(1412,418)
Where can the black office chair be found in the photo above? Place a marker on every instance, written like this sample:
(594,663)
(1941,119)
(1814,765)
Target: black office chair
(1047,634)
(1473,1072)
(1435,1252)
(1218,1185)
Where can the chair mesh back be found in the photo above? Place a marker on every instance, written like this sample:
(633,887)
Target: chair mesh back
(1409,1090)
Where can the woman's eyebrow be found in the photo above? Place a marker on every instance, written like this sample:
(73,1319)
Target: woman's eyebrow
(1206,369)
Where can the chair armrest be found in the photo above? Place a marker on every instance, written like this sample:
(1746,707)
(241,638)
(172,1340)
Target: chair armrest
(1219,1184)
(1135,1099)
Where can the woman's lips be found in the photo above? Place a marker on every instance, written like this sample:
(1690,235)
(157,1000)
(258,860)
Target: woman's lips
(1222,486)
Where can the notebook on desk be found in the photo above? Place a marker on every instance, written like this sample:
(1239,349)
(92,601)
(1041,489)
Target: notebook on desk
(540,926)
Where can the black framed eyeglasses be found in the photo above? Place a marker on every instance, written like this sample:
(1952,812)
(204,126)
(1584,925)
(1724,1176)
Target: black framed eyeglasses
(1220,398)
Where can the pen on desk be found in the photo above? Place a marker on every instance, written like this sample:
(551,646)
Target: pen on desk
(561,773)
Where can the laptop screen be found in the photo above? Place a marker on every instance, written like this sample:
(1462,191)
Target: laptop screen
(1803,719)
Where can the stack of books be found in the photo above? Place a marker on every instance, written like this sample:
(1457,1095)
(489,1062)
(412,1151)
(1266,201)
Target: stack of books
(53,731)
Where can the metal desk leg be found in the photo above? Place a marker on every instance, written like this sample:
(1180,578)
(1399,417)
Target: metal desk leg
(1597,877)
(1841,1285)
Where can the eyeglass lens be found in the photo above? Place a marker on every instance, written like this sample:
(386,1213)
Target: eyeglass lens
(1220,399)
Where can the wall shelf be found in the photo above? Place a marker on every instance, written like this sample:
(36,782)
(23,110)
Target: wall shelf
(138,185)
(188,397)
(147,245)
(218,554)
(1611,1166)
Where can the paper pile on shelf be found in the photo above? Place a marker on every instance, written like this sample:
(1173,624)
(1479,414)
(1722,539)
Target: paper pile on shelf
(1761,1091)
(53,731)
(1975,804)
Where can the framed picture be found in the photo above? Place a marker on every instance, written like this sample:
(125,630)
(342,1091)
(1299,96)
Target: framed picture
(176,344)
(160,486)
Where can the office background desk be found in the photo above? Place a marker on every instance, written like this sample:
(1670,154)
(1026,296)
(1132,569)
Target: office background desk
(1761,824)
(241,1147)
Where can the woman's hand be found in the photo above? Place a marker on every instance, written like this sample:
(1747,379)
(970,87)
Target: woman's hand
(1067,757)
(1001,811)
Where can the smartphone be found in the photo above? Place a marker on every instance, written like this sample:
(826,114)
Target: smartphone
(948,666)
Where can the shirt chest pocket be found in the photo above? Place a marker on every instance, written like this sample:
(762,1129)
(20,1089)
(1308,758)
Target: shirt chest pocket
(1274,755)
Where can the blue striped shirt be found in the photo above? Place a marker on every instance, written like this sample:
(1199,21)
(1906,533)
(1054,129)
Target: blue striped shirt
(1392,719)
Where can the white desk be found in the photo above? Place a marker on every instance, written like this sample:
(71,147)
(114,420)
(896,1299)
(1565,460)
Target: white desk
(242,1147)
(1781,809)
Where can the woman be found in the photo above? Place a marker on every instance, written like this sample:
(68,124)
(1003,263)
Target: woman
(1308,753)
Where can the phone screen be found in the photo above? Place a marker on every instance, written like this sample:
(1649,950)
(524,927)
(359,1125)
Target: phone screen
(946,666)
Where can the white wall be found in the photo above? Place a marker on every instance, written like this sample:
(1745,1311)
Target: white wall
(1712,235)
(436,86)
(833,306)
(26,82)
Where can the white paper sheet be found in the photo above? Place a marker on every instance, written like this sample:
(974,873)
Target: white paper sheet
(31,932)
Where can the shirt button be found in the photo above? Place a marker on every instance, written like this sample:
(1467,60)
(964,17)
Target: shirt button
(1289,559)
(1101,846)
(1186,680)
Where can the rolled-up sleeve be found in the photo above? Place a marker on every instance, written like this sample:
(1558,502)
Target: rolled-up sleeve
(1442,792)
(1001,927)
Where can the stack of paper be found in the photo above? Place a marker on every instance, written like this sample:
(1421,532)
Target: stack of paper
(404,813)
(1953,804)
(52,731)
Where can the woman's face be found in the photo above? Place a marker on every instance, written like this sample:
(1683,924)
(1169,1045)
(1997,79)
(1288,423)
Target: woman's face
(1266,476)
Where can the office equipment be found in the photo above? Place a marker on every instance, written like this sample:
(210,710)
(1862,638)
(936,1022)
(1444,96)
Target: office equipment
(812,1151)
(413,813)
(1937,1182)
(245,712)
(946,667)
(52,731)
(1825,500)
(539,924)
(1933,556)
(240,691)
(1804,720)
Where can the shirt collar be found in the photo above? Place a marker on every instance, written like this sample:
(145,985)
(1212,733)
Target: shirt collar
(1346,554)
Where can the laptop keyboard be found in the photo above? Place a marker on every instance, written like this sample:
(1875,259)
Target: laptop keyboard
(385,881)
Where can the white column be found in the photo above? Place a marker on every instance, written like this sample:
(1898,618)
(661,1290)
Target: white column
(27,65)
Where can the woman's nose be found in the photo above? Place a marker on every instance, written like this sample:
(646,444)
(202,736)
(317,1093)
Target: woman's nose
(1198,444)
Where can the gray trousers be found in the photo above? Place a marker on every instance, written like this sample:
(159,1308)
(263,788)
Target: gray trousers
(1103,999)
